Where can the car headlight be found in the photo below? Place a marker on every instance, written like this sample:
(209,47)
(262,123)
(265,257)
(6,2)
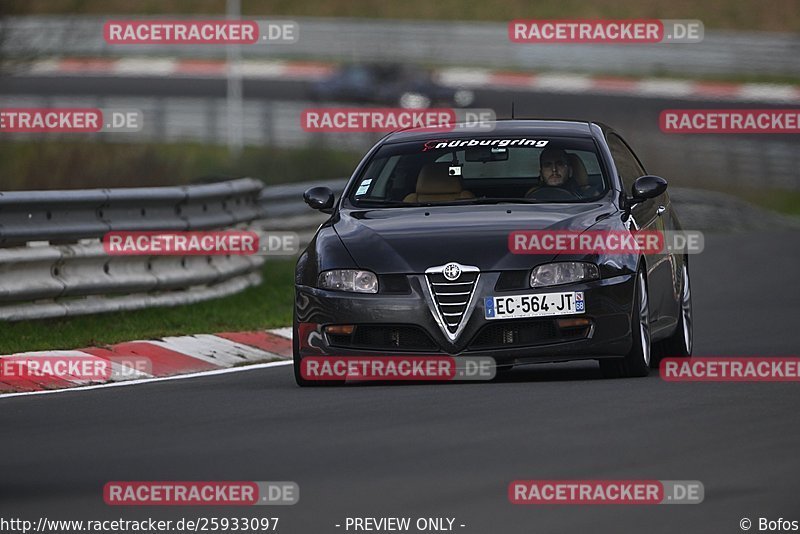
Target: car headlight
(555,274)
(349,280)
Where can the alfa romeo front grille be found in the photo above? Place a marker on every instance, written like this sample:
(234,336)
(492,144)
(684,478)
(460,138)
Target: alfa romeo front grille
(515,333)
(452,287)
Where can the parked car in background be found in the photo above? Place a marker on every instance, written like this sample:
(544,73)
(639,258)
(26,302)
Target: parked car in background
(392,84)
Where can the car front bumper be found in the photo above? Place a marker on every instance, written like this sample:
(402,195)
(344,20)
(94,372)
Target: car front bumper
(607,305)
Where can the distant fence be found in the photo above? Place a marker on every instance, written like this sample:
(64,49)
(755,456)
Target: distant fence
(442,42)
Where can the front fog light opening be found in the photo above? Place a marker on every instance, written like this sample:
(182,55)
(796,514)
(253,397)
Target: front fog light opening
(573,323)
(340,334)
(574,328)
(340,329)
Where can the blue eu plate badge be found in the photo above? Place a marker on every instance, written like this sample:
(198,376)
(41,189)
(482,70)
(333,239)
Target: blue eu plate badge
(580,305)
(489,304)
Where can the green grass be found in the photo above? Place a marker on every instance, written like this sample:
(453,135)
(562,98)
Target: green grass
(57,164)
(776,15)
(780,200)
(266,306)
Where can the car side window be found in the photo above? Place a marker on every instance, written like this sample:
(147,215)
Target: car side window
(374,182)
(628,167)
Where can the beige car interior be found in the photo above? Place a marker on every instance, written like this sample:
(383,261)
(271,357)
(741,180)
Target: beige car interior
(434,184)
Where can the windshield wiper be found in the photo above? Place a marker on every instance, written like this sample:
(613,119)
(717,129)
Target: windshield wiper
(389,203)
(496,200)
(458,202)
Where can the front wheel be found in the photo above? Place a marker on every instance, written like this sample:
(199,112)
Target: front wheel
(297,362)
(298,378)
(303,383)
(679,344)
(637,362)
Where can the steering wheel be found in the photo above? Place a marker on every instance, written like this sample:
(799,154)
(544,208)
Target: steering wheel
(550,192)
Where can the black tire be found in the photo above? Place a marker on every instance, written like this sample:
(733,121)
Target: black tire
(302,382)
(502,372)
(637,362)
(298,378)
(679,343)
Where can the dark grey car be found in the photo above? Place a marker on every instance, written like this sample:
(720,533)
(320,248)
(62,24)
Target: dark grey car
(415,257)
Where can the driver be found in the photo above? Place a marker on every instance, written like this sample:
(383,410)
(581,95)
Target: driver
(554,168)
(555,171)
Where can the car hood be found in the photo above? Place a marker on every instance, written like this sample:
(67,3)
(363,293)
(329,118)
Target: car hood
(410,240)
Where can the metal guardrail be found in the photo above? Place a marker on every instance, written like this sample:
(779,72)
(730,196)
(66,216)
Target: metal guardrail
(285,210)
(71,215)
(52,262)
(281,201)
(443,42)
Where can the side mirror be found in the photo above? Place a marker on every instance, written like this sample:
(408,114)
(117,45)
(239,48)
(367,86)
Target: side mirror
(648,186)
(319,198)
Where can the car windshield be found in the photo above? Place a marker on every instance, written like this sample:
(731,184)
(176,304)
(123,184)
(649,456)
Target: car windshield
(481,170)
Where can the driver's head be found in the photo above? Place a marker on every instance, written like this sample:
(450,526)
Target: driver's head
(554,167)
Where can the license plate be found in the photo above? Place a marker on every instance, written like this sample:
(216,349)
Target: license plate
(547,304)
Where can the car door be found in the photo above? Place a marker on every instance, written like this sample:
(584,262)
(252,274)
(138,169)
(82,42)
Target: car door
(647,215)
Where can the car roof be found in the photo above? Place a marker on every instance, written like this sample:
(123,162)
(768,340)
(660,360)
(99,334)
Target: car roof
(503,128)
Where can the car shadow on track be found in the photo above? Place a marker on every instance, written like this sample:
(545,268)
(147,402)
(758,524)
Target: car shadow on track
(551,372)
(548,372)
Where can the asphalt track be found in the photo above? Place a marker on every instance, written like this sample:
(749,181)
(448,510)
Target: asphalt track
(449,450)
